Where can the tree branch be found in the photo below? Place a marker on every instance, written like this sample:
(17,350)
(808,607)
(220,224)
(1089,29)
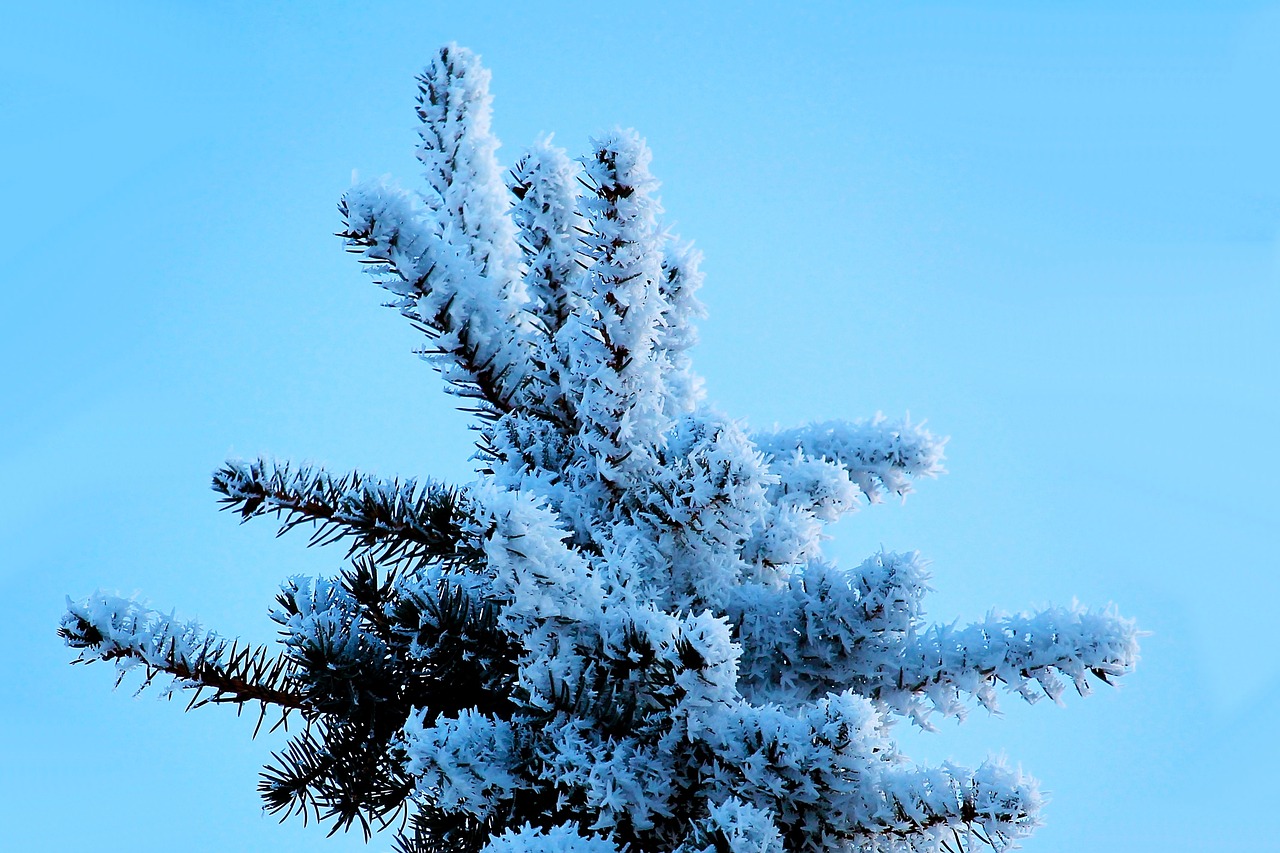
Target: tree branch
(393,521)
(108,628)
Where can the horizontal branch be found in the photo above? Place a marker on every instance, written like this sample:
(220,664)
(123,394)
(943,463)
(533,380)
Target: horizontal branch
(875,457)
(833,780)
(109,628)
(829,630)
(393,521)
(1030,653)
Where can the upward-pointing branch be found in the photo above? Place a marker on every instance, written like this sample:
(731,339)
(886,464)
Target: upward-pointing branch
(449,252)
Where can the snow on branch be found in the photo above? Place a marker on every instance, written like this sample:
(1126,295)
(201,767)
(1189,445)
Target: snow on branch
(395,521)
(544,183)
(1029,653)
(458,152)
(565,838)
(827,470)
(679,285)
(827,630)
(617,383)
(110,628)
(831,778)
(874,456)
(445,292)
(449,254)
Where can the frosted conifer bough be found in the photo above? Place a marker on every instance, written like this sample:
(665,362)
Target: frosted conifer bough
(623,635)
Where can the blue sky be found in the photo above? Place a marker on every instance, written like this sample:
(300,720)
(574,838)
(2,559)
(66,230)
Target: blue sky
(1053,231)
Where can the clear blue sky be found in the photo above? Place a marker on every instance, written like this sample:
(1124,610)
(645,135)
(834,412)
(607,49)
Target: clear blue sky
(1054,232)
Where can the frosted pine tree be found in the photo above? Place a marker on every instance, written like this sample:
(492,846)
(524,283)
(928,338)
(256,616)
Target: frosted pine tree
(622,636)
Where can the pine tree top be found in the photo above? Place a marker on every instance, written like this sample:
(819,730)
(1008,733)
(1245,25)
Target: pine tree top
(623,634)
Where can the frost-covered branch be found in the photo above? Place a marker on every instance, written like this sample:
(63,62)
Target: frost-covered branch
(681,280)
(395,521)
(828,630)
(708,497)
(448,254)
(617,385)
(831,778)
(458,152)
(819,779)
(110,628)
(544,184)
(445,294)
(824,471)
(817,464)
(1029,653)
